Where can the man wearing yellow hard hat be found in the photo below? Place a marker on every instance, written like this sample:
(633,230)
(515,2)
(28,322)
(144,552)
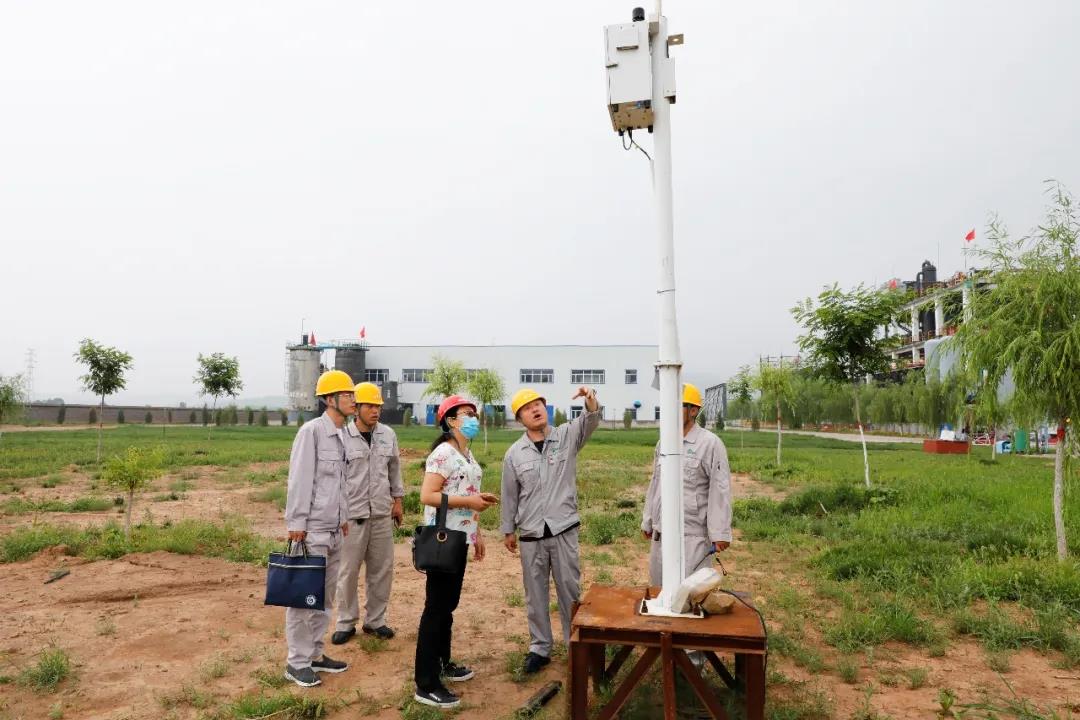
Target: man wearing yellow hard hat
(706,494)
(316,514)
(373,491)
(539,509)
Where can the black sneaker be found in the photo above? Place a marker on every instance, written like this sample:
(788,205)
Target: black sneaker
(304,677)
(534,663)
(384,633)
(328,665)
(439,697)
(342,636)
(457,673)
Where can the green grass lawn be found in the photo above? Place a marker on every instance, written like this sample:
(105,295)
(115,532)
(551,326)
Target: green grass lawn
(941,547)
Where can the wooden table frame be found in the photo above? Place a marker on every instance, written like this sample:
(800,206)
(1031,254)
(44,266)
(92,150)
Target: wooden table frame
(666,639)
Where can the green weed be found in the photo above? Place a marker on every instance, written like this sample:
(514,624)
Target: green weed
(20,506)
(188,696)
(270,677)
(52,667)
(280,706)
(231,540)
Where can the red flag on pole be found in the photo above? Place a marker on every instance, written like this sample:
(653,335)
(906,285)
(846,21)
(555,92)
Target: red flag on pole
(363,332)
(313,338)
(970,236)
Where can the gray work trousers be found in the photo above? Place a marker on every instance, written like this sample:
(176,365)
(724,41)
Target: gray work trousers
(371,543)
(305,629)
(695,556)
(554,557)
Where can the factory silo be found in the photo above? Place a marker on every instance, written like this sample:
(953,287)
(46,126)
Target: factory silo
(304,369)
(351,359)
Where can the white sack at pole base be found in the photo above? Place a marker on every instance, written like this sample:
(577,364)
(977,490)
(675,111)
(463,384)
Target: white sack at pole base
(694,589)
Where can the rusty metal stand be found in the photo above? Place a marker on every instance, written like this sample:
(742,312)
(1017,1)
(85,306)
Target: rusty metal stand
(608,616)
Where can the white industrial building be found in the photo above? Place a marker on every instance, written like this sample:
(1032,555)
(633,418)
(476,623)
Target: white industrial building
(621,374)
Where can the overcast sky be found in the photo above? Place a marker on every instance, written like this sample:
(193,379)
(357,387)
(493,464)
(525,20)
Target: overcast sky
(191,177)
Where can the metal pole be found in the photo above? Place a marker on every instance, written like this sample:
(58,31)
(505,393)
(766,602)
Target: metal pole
(670,360)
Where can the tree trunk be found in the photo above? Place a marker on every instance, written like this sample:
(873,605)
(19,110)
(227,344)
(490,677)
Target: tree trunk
(993,443)
(100,422)
(1059,493)
(779,433)
(127,515)
(862,437)
(484,417)
(213,418)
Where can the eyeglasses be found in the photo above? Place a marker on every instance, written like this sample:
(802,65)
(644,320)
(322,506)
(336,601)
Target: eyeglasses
(466,413)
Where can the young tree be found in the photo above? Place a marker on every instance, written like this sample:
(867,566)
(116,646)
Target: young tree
(774,384)
(842,340)
(740,388)
(1025,320)
(130,472)
(105,368)
(447,377)
(488,388)
(11,397)
(217,376)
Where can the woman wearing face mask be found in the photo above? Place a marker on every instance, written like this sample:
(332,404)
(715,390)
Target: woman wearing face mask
(451,470)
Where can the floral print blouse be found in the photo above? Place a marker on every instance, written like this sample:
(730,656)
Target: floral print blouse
(462,477)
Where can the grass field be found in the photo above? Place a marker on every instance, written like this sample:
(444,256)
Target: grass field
(943,550)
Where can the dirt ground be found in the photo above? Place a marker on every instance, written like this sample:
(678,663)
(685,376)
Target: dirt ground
(142,627)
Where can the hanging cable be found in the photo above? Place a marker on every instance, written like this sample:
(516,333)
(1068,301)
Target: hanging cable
(633,144)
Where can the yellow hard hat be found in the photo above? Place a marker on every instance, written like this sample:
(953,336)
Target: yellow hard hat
(333,381)
(522,398)
(691,395)
(368,394)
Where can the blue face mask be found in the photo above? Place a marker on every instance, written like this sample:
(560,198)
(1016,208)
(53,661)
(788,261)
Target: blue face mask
(470,428)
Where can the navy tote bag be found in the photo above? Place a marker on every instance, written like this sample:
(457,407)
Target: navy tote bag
(296,581)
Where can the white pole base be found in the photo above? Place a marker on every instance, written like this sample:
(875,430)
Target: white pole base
(655,607)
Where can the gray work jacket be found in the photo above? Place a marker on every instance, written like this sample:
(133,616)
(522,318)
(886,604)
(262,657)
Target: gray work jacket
(706,488)
(541,487)
(316,490)
(372,473)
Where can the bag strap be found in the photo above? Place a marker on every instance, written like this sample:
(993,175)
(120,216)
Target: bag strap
(440,514)
(301,543)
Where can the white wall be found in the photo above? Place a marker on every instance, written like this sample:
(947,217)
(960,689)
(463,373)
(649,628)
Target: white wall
(508,360)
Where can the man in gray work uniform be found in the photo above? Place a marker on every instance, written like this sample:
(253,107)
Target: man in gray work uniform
(316,514)
(706,483)
(539,501)
(374,489)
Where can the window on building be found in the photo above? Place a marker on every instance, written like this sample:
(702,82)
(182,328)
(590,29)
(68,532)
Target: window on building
(576,410)
(532,376)
(415,375)
(631,377)
(656,414)
(587,377)
(376,375)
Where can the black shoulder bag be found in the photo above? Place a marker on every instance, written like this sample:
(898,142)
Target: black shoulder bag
(437,549)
